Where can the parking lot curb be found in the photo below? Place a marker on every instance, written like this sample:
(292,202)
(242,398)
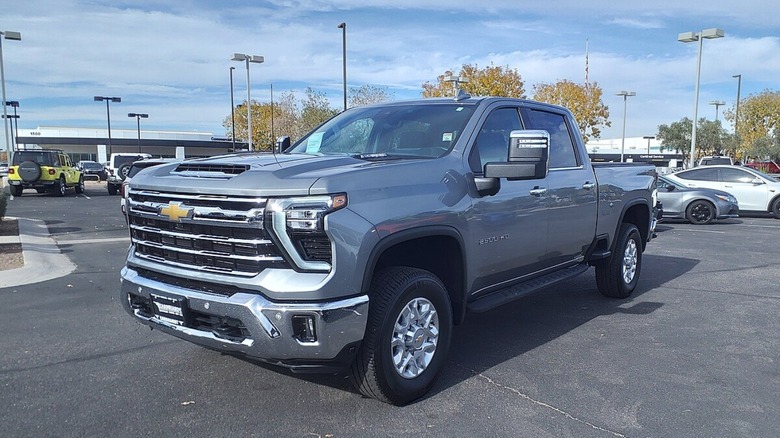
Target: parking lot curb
(42,257)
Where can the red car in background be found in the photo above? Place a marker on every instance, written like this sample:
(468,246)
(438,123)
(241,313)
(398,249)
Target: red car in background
(764,166)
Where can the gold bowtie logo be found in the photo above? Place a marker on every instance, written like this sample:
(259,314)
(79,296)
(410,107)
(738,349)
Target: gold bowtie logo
(175,212)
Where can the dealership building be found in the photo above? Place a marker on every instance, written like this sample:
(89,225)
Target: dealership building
(95,145)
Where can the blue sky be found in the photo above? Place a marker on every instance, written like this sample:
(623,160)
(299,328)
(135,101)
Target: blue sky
(171,59)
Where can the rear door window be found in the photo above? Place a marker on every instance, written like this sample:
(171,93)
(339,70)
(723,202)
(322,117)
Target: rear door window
(706,174)
(561,145)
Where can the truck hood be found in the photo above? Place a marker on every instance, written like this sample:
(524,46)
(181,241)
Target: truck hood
(261,174)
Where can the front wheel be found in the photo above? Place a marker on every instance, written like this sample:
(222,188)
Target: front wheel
(700,213)
(80,185)
(407,336)
(618,275)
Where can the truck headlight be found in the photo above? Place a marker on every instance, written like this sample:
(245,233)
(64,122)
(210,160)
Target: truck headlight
(298,224)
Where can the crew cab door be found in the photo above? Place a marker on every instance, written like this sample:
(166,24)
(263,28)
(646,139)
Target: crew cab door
(508,230)
(571,188)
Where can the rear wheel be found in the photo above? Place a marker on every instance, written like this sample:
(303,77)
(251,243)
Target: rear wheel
(776,208)
(407,336)
(60,187)
(700,212)
(618,275)
(17,190)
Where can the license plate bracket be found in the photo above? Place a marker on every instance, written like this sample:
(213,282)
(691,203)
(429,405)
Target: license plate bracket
(170,308)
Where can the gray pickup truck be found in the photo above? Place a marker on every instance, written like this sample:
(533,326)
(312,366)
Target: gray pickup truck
(362,244)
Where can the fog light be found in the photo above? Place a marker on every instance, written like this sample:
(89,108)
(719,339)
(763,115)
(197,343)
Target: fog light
(303,328)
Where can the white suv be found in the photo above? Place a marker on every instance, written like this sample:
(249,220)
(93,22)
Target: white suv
(118,166)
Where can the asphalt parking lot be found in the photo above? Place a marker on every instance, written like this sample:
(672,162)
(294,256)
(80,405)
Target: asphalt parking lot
(695,352)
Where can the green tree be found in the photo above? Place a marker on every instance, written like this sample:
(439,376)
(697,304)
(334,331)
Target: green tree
(367,95)
(759,121)
(489,81)
(676,137)
(711,138)
(584,101)
(315,109)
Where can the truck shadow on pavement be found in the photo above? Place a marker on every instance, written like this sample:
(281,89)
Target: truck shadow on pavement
(485,340)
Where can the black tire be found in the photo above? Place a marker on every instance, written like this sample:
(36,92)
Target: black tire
(776,207)
(80,186)
(29,171)
(394,293)
(59,188)
(17,190)
(700,212)
(617,276)
(112,189)
(123,170)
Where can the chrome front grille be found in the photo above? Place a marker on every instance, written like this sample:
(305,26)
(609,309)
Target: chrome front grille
(202,232)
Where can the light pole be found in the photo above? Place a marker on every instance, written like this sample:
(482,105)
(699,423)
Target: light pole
(689,37)
(15,120)
(626,95)
(736,113)
(138,117)
(258,60)
(232,111)
(648,138)
(718,104)
(343,27)
(14,36)
(108,115)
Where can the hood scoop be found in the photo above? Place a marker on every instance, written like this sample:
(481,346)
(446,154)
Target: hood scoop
(208,170)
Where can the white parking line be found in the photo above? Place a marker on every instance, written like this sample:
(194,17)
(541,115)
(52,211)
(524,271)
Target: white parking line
(85,196)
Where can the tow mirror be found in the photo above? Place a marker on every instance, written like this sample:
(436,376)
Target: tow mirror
(282,144)
(527,159)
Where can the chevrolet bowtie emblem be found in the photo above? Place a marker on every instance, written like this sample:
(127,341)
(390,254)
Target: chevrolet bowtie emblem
(175,212)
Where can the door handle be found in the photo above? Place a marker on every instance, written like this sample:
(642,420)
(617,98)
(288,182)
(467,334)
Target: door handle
(588,185)
(538,191)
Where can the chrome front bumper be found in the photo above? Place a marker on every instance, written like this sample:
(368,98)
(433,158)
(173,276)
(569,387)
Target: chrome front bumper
(258,328)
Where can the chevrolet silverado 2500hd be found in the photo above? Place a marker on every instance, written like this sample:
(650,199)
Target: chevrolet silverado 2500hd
(361,245)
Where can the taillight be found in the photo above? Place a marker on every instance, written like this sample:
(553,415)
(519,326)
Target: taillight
(52,171)
(11,171)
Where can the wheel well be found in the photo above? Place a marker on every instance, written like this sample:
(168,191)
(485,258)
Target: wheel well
(639,215)
(440,255)
(772,203)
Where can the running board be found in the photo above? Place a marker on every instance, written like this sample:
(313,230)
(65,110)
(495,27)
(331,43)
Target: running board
(526,288)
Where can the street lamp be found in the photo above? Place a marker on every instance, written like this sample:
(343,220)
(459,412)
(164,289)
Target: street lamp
(689,37)
(343,27)
(718,104)
(138,117)
(108,114)
(648,138)
(15,120)
(736,112)
(14,36)
(232,111)
(456,80)
(626,95)
(258,60)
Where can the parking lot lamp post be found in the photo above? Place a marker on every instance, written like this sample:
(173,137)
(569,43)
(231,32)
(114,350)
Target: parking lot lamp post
(14,36)
(138,118)
(258,60)
(626,95)
(232,112)
(718,104)
(343,27)
(15,120)
(689,37)
(648,138)
(736,112)
(108,100)
(456,81)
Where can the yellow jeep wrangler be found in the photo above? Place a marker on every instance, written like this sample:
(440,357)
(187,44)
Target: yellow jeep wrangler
(45,170)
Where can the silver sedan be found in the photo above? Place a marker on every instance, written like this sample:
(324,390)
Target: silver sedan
(698,206)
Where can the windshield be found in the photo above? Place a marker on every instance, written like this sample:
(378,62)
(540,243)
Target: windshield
(91,165)
(40,157)
(427,130)
(664,182)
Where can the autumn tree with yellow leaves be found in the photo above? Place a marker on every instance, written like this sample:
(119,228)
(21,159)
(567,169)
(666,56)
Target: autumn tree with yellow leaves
(489,81)
(583,100)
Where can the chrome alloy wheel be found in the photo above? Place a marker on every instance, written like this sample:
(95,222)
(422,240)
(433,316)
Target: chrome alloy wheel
(629,261)
(415,335)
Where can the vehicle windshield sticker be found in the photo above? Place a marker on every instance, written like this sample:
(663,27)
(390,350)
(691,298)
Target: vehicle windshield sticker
(447,136)
(313,143)
(460,108)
